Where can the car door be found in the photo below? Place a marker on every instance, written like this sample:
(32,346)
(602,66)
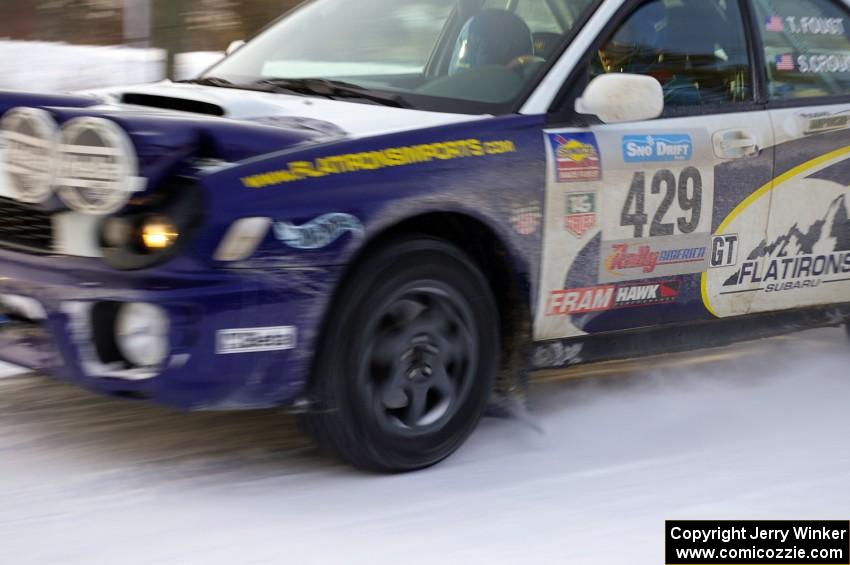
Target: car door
(631,208)
(804,258)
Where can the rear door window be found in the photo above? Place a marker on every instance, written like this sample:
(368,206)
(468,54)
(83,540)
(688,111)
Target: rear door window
(807,47)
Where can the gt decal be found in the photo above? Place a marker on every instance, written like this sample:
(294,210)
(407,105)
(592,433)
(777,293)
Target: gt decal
(380,159)
(686,191)
(724,251)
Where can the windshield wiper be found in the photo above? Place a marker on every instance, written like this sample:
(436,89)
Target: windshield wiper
(210,81)
(333,89)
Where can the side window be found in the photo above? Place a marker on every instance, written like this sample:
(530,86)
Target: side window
(545,29)
(807,47)
(697,49)
(539,17)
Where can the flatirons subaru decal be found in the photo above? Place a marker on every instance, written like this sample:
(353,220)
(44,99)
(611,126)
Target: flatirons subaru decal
(803,259)
(657,148)
(319,233)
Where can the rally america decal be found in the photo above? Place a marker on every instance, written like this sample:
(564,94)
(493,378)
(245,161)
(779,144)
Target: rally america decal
(804,257)
(646,258)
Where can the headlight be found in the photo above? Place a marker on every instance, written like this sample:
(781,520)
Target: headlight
(141,334)
(98,169)
(30,138)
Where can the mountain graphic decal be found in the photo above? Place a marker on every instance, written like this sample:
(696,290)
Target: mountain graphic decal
(802,241)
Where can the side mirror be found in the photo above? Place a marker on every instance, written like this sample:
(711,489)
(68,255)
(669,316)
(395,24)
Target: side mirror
(234,47)
(619,97)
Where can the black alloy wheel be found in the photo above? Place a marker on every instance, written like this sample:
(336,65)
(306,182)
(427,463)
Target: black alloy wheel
(408,358)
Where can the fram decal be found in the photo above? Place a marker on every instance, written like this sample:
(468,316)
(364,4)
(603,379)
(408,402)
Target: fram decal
(255,340)
(602,298)
(577,157)
(654,257)
(657,148)
(380,159)
(319,233)
(581,213)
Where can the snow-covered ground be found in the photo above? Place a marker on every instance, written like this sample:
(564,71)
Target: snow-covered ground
(753,431)
(42,66)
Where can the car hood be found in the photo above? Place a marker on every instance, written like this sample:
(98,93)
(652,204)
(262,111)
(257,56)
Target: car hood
(173,124)
(331,117)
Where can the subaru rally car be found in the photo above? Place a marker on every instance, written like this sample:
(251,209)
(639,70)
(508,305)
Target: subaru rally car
(384,213)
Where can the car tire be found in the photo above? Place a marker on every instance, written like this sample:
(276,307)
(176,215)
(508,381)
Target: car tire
(408,358)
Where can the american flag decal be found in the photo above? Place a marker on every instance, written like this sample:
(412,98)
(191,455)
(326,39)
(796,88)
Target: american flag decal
(785,63)
(775,24)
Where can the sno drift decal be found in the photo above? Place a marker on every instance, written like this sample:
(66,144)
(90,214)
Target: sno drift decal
(657,148)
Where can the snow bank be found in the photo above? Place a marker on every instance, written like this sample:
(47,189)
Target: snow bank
(33,65)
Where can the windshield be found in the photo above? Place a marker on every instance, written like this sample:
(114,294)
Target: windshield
(448,55)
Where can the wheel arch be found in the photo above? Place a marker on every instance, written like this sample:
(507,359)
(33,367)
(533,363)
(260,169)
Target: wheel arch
(507,272)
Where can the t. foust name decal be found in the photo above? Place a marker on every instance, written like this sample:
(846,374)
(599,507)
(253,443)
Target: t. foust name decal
(802,258)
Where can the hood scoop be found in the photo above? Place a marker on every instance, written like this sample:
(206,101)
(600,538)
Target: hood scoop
(171,103)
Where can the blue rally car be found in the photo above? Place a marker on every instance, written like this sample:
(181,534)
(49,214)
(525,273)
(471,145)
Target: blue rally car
(385,213)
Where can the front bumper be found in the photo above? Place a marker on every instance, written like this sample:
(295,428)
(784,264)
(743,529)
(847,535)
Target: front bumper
(200,304)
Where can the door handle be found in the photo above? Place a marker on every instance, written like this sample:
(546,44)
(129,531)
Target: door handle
(736,144)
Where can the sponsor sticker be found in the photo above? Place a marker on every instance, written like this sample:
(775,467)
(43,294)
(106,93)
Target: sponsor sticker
(380,159)
(814,63)
(724,251)
(653,258)
(803,257)
(577,157)
(824,122)
(526,220)
(657,148)
(319,233)
(611,297)
(581,213)
(805,25)
(256,340)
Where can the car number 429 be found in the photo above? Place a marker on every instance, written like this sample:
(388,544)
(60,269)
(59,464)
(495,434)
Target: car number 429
(684,192)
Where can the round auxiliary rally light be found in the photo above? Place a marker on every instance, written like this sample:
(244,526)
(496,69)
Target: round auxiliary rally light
(29,136)
(141,334)
(98,167)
